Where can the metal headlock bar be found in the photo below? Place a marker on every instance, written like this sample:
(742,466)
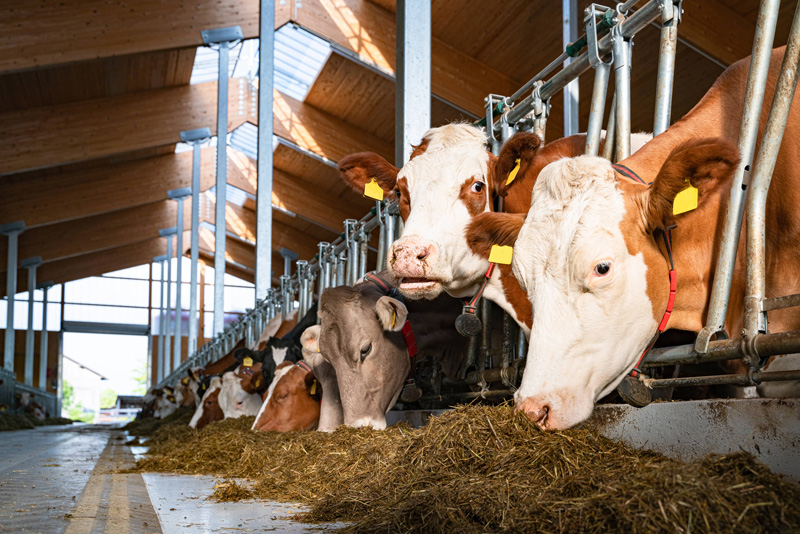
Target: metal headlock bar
(606,44)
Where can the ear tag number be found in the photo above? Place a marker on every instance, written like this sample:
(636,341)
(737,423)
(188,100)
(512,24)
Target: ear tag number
(685,201)
(501,254)
(513,173)
(373,190)
(248,362)
(313,387)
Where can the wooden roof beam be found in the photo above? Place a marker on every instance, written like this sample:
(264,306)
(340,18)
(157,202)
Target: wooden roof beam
(369,32)
(100,232)
(38,34)
(89,129)
(43,200)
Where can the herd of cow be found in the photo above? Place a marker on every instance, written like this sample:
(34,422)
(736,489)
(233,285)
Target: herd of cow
(603,262)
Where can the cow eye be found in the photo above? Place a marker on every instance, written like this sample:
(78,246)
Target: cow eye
(477,187)
(365,351)
(602,268)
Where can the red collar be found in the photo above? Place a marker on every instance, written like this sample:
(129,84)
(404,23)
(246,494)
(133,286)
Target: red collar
(673,290)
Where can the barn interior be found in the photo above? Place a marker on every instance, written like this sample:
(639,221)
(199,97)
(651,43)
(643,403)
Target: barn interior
(94,97)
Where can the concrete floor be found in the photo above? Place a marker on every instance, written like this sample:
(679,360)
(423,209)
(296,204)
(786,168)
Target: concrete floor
(57,480)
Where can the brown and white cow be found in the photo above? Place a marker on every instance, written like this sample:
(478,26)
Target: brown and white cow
(591,257)
(450,179)
(208,409)
(292,401)
(361,336)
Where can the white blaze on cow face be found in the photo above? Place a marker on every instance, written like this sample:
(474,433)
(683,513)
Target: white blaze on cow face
(592,314)
(445,187)
(235,401)
(279,372)
(214,385)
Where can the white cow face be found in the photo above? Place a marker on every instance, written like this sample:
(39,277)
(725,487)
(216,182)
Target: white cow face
(592,313)
(234,400)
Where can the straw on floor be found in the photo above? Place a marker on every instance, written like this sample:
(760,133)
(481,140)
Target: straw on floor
(481,469)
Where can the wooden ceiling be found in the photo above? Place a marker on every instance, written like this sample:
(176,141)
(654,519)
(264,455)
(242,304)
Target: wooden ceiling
(93,95)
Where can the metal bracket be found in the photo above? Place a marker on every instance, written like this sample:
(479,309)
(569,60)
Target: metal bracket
(198,135)
(168,232)
(45,285)
(31,263)
(179,194)
(12,227)
(592,50)
(222,35)
(503,105)
(159,259)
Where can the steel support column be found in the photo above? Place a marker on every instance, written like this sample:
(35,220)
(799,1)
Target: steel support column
(222,39)
(168,233)
(12,230)
(266,61)
(161,323)
(31,264)
(570,22)
(670,18)
(45,287)
(179,195)
(195,138)
(413,79)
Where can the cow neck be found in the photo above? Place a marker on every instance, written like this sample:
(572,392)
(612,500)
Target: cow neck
(407,330)
(673,291)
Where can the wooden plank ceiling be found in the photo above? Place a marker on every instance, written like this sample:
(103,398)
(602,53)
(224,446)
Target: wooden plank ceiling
(93,95)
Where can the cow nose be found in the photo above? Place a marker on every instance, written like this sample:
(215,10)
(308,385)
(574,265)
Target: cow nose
(536,411)
(424,253)
(409,257)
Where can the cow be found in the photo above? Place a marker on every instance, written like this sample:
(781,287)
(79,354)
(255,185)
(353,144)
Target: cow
(208,409)
(30,406)
(364,336)
(304,395)
(234,400)
(595,251)
(450,179)
(292,401)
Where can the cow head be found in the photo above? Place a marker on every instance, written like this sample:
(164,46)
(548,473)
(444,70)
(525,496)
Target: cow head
(292,401)
(591,258)
(234,400)
(330,410)
(208,409)
(450,179)
(360,337)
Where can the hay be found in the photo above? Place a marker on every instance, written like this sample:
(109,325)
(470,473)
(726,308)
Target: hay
(482,469)
(149,425)
(231,490)
(28,421)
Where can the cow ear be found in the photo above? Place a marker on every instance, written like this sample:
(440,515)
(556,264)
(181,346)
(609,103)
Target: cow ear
(310,339)
(487,229)
(706,164)
(517,154)
(358,169)
(392,313)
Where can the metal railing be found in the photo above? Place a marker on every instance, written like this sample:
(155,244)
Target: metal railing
(606,44)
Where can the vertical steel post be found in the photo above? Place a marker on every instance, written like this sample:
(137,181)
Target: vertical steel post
(413,79)
(179,195)
(732,226)
(341,269)
(600,89)
(324,269)
(611,130)
(352,252)
(168,233)
(160,368)
(302,278)
(45,287)
(222,39)
(12,230)
(670,18)
(195,138)
(285,304)
(266,59)
(622,80)
(31,264)
(389,229)
(569,20)
(363,244)
(755,320)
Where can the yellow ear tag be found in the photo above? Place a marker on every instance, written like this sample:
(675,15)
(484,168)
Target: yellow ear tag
(685,201)
(313,387)
(373,190)
(501,254)
(394,318)
(248,362)
(513,173)
(185,381)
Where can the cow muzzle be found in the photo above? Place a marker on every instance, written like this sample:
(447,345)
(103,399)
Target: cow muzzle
(411,261)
